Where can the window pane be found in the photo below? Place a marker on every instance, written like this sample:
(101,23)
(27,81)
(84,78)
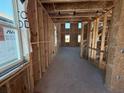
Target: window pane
(67,25)
(55,34)
(6,10)
(8,45)
(79,38)
(67,38)
(79,25)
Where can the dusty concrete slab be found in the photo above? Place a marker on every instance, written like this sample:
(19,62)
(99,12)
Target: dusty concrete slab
(70,74)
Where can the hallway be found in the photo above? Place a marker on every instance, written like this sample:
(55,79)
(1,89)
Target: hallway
(70,74)
(62,46)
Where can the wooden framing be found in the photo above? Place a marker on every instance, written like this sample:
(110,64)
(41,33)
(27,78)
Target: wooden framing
(93,39)
(17,73)
(34,39)
(73,32)
(61,1)
(101,63)
(96,39)
(21,74)
(43,50)
(88,38)
(82,41)
(38,38)
(43,43)
(95,46)
(90,42)
(46,38)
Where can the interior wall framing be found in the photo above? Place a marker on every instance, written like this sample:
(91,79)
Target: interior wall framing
(95,43)
(43,50)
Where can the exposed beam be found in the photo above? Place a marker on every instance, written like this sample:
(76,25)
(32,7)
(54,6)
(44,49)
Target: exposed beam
(78,7)
(63,11)
(77,10)
(71,16)
(62,1)
(75,14)
(101,63)
(63,20)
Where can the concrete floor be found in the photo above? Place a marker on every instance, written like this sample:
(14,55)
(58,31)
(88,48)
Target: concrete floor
(70,74)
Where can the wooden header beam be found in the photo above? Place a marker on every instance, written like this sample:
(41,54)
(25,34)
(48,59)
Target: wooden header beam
(66,1)
(78,7)
(63,20)
(71,15)
(77,10)
(76,16)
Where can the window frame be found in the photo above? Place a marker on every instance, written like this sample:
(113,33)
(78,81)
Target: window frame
(69,38)
(78,25)
(78,38)
(14,26)
(69,26)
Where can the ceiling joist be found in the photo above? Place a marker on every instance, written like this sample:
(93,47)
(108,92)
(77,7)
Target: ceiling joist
(68,1)
(73,19)
(85,6)
(73,15)
(76,10)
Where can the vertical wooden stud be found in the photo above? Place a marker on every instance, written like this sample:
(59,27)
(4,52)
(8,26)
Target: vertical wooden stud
(103,42)
(82,41)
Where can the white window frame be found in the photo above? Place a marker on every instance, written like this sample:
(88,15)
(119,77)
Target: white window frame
(79,26)
(14,26)
(69,25)
(79,38)
(68,37)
